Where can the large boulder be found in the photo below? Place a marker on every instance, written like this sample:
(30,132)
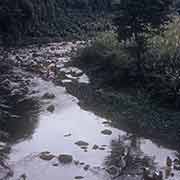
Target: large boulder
(51,108)
(65,158)
(47,156)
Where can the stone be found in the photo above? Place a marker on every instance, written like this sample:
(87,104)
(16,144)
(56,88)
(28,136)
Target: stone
(106,122)
(51,108)
(112,170)
(55,164)
(76,162)
(84,147)
(81,143)
(106,132)
(86,167)
(101,148)
(95,147)
(46,156)
(79,177)
(104,145)
(48,96)
(65,158)
(67,135)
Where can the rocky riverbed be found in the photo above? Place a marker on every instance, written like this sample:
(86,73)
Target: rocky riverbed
(49,131)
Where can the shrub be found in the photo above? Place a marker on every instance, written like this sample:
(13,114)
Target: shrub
(105,49)
(163,61)
(160,65)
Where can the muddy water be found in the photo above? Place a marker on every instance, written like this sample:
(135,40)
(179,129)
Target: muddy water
(58,131)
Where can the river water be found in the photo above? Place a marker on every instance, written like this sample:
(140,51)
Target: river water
(58,131)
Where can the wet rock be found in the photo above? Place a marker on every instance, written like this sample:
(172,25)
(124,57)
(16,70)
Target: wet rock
(51,108)
(67,135)
(106,132)
(112,171)
(46,156)
(84,147)
(34,55)
(48,96)
(55,164)
(76,162)
(6,85)
(79,177)
(106,122)
(17,92)
(53,48)
(65,158)
(95,147)
(23,177)
(86,167)
(81,143)
(104,145)
(18,58)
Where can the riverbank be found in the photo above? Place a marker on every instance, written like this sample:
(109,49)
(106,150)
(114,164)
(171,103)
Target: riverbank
(138,111)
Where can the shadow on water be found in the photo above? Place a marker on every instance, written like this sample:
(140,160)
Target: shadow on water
(22,125)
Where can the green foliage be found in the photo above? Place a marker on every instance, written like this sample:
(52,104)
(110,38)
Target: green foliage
(64,18)
(134,17)
(14,18)
(106,40)
(168,42)
(160,66)
(163,61)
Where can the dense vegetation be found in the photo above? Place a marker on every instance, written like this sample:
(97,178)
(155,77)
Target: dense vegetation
(52,18)
(142,56)
(142,51)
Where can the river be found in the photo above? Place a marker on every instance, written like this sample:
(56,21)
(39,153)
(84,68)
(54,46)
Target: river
(57,132)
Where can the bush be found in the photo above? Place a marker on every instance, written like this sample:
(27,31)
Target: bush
(160,74)
(163,61)
(105,50)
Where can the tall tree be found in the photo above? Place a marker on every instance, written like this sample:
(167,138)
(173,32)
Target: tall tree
(135,18)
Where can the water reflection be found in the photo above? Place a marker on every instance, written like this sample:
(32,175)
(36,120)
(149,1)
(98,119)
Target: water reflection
(124,112)
(24,119)
(127,159)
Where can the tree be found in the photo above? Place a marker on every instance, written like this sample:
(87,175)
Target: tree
(15,16)
(136,18)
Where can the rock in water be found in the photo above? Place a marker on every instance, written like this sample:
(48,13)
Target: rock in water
(106,132)
(95,147)
(65,158)
(86,167)
(48,96)
(51,108)
(67,135)
(78,177)
(81,143)
(46,156)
